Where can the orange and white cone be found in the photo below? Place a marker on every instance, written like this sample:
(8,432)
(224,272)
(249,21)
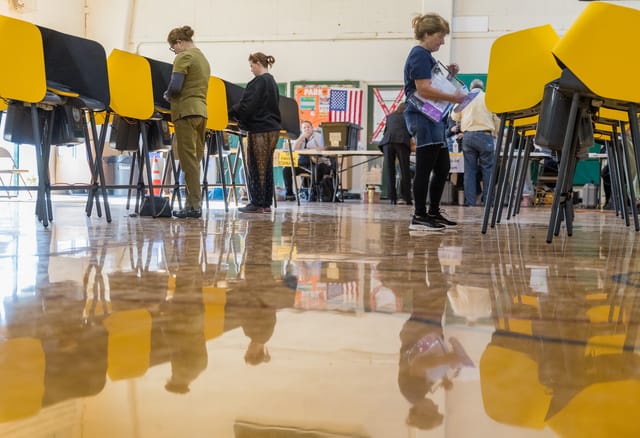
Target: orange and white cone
(156,180)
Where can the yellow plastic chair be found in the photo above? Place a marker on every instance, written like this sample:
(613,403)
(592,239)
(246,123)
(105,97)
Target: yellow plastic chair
(520,64)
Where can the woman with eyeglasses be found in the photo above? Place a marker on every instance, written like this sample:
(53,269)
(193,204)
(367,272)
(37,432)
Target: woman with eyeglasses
(258,113)
(187,93)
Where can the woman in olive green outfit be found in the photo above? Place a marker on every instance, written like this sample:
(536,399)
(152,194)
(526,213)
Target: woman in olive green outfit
(187,93)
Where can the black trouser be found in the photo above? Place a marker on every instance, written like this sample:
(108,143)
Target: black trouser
(260,147)
(402,152)
(606,183)
(288,177)
(432,158)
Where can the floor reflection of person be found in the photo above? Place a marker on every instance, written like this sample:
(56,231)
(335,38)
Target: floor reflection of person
(182,318)
(253,302)
(428,360)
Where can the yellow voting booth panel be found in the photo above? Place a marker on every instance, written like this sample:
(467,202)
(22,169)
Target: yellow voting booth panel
(22,76)
(217,112)
(130,85)
(520,64)
(609,29)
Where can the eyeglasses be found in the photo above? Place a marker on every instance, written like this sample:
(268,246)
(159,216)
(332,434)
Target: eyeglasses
(173,48)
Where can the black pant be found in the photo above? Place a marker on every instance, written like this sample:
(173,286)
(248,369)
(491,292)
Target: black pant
(433,158)
(606,182)
(402,152)
(288,177)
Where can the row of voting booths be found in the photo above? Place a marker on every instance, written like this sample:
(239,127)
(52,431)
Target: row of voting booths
(62,90)
(556,93)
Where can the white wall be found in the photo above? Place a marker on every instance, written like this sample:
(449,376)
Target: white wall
(63,15)
(365,40)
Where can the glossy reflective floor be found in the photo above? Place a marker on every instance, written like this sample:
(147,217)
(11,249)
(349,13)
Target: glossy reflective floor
(325,320)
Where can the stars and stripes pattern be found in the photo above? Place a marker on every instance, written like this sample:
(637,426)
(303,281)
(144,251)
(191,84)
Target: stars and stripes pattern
(345,105)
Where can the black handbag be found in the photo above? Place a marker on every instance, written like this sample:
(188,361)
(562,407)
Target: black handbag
(68,129)
(162,206)
(125,134)
(18,127)
(159,136)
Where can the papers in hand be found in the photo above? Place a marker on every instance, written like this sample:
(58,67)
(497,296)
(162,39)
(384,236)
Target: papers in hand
(467,100)
(437,110)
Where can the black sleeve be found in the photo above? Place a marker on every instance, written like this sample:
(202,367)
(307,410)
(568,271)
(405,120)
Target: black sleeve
(250,100)
(175,85)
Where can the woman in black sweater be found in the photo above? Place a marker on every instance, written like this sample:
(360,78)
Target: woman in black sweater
(258,113)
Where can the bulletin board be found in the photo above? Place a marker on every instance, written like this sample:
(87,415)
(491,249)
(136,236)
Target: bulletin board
(313,98)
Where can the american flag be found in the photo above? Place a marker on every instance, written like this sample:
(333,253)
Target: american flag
(345,105)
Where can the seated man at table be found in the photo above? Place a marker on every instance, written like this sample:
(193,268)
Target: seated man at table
(309,139)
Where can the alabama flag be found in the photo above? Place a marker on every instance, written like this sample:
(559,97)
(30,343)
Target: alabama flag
(345,105)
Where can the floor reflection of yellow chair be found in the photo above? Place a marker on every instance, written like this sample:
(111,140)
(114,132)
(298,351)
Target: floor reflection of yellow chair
(511,391)
(129,345)
(214,299)
(22,368)
(520,64)
(601,410)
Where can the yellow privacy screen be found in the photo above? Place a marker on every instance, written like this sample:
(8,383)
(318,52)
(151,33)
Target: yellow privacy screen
(604,32)
(22,76)
(130,85)
(520,64)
